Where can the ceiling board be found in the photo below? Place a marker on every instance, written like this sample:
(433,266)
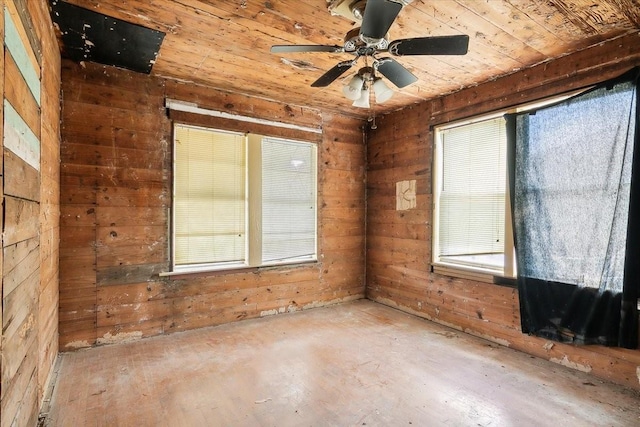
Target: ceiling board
(225,44)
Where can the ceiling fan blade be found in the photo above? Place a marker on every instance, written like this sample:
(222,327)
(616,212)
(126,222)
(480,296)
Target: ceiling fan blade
(305,48)
(378,17)
(327,78)
(440,45)
(395,72)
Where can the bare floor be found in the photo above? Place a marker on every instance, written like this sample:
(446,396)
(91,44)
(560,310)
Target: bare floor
(359,363)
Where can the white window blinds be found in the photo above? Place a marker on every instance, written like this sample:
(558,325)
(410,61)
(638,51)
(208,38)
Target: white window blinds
(288,200)
(472,198)
(209,196)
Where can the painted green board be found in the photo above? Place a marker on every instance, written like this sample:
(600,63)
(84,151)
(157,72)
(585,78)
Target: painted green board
(19,54)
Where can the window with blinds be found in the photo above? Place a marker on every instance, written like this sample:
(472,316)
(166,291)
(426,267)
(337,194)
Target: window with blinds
(209,197)
(242,200)
(472,234)
(470,186)
(288,200)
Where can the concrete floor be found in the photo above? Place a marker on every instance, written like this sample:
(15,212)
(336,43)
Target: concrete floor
(359,363)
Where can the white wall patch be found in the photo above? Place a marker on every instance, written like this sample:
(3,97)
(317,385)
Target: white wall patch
(405,195)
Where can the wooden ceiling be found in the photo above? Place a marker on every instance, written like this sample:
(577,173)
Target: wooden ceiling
(225,44)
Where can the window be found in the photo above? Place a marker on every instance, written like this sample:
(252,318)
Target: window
(470,198)
(472,226)
(241,200)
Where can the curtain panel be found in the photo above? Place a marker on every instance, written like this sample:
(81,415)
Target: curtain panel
(573,176)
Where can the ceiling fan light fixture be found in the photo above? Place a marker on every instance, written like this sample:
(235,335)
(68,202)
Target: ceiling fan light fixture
(382,92)
(363,101)
(353,90)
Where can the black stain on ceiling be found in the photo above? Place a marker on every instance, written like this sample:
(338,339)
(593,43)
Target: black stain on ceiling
(93,37)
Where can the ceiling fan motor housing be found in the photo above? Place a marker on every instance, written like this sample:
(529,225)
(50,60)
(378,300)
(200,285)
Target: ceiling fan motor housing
(353,42)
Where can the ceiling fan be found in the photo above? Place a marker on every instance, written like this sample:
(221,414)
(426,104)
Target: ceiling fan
(369,40)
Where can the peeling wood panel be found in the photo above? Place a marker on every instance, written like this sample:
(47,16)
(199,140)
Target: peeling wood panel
(628,8)
(593,17)
(399,243)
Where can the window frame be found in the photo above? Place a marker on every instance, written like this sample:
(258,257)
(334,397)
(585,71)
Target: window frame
(479,273)
(253,207)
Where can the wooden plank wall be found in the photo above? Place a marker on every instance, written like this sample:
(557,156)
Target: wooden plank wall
(30,192)
(115,185)
(399,242)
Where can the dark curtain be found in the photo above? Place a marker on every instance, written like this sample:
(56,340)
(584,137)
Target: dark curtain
(575,193)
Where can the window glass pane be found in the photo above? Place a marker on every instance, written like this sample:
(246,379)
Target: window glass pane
(209,199)
(472,198)
(288,200)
